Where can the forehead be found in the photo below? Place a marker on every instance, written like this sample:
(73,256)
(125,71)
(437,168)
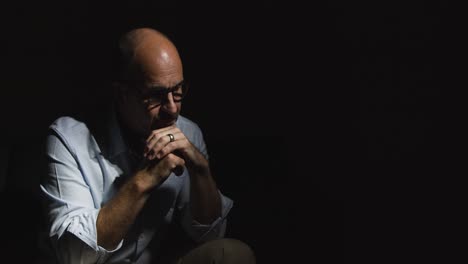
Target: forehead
(159,66)
(160,77)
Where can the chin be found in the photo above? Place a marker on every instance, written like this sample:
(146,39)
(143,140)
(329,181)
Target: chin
(161,124)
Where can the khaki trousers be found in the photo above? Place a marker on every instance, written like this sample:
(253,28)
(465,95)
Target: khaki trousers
(219,251)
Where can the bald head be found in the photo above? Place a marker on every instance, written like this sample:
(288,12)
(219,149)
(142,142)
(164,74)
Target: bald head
(151,64)
(147,53)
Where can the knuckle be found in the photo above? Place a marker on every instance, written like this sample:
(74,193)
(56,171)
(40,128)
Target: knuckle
(156,145)
(162,153)
(171,157)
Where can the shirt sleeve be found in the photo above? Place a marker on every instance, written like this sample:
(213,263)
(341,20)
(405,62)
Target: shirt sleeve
(202,232)
(70,209)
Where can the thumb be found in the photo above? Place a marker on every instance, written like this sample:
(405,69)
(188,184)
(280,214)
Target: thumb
(179,163)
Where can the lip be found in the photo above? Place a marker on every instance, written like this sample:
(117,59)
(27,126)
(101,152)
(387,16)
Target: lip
(170,123)
(161,125)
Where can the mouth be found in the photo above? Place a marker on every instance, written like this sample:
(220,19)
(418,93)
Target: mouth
(163,124)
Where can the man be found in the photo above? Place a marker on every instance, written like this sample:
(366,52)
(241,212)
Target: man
(111,196)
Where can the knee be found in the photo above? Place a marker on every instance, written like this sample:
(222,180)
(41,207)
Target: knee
(236,251)
(221,251)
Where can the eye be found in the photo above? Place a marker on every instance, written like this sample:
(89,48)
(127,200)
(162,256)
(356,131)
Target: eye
(179,91)
(152,101)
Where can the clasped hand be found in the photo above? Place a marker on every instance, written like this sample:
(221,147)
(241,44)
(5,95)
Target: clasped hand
(168,150)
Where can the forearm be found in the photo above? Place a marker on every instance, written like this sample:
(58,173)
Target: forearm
(117,215)
(205,202)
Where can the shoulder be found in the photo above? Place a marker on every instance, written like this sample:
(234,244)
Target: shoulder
(191,130)
(74,134)
(69,126)
(188,126)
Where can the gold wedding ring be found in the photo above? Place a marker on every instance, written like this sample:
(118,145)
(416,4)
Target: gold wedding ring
(171,137)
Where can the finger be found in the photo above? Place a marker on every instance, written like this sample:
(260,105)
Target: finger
(155,146)
(162,131)
(156,135)
(176,164)
(167,149)
(163,168)
(158,142)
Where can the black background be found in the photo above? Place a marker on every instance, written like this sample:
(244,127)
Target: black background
(322,121)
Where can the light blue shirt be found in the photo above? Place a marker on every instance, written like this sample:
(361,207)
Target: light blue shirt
(83,175)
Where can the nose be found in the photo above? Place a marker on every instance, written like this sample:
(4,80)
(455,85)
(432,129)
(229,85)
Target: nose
(169,105)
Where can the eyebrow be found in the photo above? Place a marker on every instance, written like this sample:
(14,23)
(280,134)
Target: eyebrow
(158,89)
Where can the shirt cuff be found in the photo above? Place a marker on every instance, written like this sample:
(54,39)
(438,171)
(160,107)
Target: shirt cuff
(204,232)
(83,226)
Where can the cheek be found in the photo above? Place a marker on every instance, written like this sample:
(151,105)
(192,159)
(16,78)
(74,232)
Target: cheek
(137,118)
(153,114)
